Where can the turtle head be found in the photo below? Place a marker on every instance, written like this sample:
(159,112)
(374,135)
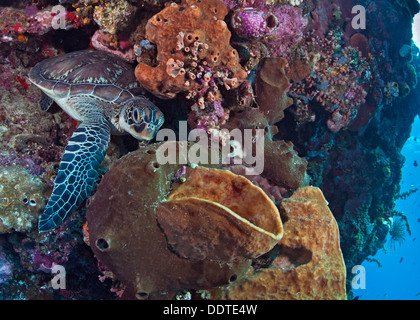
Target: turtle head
(140,118)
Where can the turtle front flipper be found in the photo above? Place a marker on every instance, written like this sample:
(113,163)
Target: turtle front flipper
(78,170)
(45,102)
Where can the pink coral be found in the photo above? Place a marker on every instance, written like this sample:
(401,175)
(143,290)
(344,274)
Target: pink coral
(279,27)
(290,33)
(104,42)
(253,23)
(16,22)
(212,119)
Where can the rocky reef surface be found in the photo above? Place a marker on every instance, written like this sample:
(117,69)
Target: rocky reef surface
(332,100)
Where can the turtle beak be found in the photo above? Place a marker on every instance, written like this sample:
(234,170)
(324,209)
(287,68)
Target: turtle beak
(145,131)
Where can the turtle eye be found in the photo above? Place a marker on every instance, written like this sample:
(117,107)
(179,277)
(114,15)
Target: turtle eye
(136,115)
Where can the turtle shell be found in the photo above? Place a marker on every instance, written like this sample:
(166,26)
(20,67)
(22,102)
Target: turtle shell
(98,73)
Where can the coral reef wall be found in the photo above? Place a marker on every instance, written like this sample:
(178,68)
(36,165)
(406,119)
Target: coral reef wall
(331,100)
(372,144)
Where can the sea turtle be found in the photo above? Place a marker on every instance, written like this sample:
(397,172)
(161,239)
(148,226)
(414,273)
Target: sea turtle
(100,90)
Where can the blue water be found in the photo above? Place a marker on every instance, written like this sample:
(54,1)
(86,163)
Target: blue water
(399,276)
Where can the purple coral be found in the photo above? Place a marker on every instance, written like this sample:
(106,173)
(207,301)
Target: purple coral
(31,10)
(6,269)
(290,33)
(25,161)
(214,118)
(252,23)
(280,27)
